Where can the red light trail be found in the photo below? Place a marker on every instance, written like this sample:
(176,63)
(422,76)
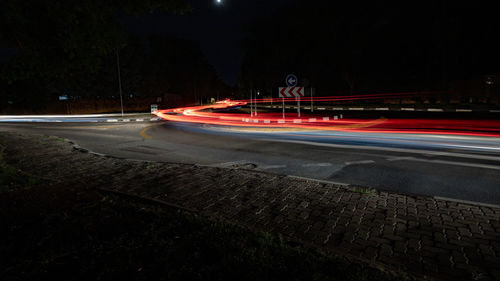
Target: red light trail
(207,115)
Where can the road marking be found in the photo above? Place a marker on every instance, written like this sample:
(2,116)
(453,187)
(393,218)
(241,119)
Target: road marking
(398,158)
(382,108)
(321,108)
(112,120)
(144,134)
(407,109)
(317,165)
(356,108)
(362,162)
(445,162)
(435,110)
(495,111)
(464,110)
(390,149)
(312,119)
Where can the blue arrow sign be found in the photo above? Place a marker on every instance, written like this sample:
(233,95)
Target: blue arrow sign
(291,80)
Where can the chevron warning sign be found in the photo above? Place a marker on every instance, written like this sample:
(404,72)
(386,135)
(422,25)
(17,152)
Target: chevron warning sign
(290,92)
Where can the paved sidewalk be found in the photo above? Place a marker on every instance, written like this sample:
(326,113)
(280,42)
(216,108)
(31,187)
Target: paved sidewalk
(425,236)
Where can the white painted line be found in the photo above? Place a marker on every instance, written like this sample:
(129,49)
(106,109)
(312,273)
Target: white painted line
(267,121)
(495,111)
(338,108)
(297,120)
(321,108)
(307,107)
(281,121)
(312,119)
(154,119)
(317,165)
(139,120)
(359,162)
(382,108)
(453,163)
(435,110)
(464,110)
(394,149)
(112,120)
(256,120)
(466,202)
(407,109)
(71,116)
(126,120)
(356,108)
(398,158)
(326,118)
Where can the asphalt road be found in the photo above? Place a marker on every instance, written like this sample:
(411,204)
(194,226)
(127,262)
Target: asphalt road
(465,168)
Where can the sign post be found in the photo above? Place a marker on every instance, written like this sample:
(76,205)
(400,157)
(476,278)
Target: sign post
(298,106)
(291,81)
(154,108)
(283,108)
(312,106)
(290,92)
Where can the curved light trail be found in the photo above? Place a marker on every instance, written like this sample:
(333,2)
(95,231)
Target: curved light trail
(215,115)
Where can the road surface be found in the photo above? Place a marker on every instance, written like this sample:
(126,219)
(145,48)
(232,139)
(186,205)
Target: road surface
(459,167)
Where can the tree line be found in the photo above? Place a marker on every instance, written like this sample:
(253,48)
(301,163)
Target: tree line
(72,48)
(346,47)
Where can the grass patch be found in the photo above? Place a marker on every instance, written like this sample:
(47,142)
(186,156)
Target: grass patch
(64,237)
(10,178)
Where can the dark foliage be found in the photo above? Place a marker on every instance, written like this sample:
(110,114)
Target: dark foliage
(358,46)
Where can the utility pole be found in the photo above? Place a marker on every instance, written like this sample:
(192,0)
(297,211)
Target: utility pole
(251,102)
(119,79)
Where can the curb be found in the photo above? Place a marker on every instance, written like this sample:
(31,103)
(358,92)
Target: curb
(332,108)
(345,185)
(125,120)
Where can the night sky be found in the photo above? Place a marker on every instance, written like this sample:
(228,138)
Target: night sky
(217,26)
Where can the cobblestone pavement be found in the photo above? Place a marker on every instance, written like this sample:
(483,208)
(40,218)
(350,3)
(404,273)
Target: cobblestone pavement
(425,236)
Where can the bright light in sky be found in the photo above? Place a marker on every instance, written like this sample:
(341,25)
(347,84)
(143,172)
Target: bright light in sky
(219,1)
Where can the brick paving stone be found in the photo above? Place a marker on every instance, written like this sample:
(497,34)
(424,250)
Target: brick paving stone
(443,239)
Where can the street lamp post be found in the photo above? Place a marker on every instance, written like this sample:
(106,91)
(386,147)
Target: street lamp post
(119,79)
